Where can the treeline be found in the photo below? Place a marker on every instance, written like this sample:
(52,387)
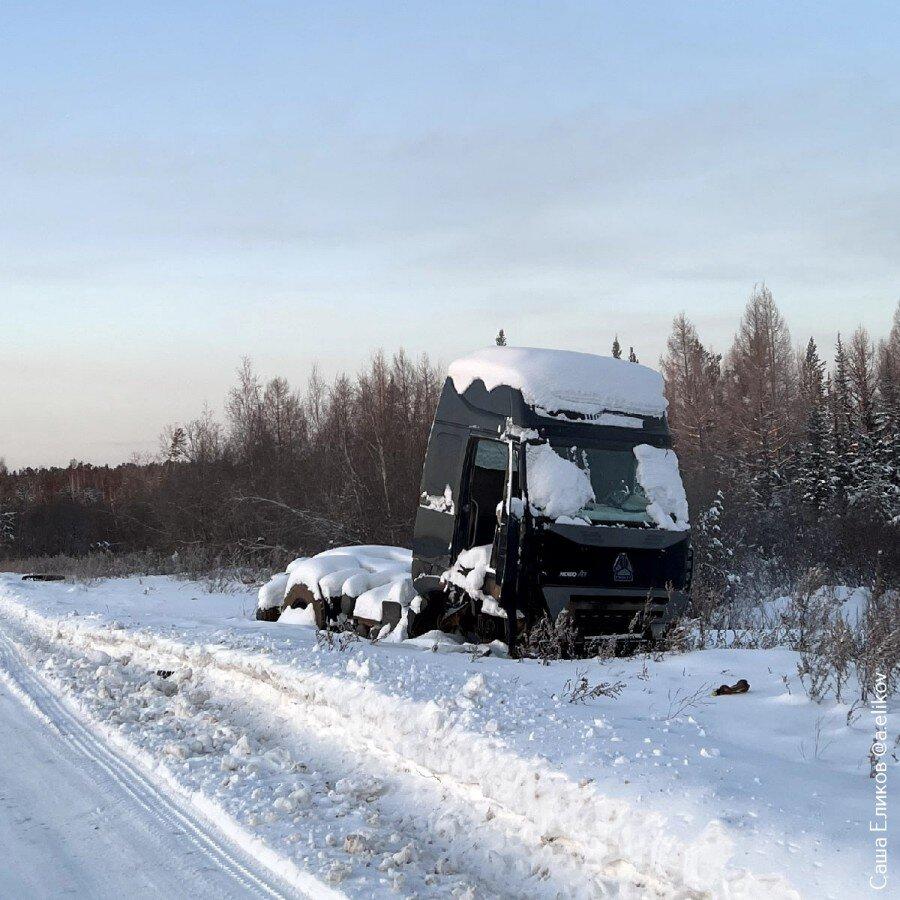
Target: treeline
(286,471)
(788,463)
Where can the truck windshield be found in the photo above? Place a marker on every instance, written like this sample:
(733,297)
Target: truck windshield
(613,473)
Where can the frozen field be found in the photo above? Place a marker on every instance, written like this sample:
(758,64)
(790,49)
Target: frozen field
(275,763)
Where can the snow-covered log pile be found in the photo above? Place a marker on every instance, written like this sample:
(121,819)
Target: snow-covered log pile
(370,575)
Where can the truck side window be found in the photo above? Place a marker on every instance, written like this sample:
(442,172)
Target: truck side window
(442,463)
(486,486)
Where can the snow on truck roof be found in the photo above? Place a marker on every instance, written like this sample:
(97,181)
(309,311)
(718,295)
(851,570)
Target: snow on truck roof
(555,380)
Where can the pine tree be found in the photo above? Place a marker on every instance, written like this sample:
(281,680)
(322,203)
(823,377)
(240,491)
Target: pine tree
(632,356)
(812,461)
(616,348)
(500,340)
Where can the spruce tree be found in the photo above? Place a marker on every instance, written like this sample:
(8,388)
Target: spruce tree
(812,463)
(840,425)
(500,340)
(632,356)
(616,348)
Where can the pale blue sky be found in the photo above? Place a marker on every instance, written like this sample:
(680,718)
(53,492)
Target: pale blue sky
(184,183)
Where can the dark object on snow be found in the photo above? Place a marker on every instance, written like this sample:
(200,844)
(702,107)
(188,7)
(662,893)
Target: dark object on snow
(164,673)
(740,687)
(619,577)
(40,576)
(268,615)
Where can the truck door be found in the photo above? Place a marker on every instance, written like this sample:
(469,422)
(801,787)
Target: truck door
(484,480)
(439,501)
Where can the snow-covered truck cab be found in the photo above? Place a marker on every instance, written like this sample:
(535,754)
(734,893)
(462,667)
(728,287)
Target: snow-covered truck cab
(549,485)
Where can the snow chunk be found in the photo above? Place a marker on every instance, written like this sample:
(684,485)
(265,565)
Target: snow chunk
(298,616)
(556,486)
(657,471)
(555,380)
(475,561)
(271,594)
(368,605)
(364,581)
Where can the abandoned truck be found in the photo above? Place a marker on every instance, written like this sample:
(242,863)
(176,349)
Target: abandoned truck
(549,487)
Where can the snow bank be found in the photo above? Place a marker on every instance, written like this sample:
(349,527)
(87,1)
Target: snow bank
(556,486)
(657,471)
(556,380)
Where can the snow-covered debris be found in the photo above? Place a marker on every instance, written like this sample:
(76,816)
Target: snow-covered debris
(439,502)
(657,472)
(271,594)
(556,486)
(469,569)
(560,380)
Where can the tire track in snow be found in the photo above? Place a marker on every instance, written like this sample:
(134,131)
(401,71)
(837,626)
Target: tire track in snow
(30,689)
(576,867)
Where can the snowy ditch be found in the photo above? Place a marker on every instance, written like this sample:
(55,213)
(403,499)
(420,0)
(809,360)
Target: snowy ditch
(385,769)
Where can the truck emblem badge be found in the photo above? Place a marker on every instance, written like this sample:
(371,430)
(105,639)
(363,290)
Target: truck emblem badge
(622,570)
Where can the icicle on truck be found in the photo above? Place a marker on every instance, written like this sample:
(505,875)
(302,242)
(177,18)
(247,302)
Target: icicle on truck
(549,486)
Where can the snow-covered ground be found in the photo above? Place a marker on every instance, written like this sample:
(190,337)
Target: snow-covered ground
(420,768)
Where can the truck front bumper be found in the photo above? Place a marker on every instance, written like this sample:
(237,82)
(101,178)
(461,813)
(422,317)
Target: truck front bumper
(605,611)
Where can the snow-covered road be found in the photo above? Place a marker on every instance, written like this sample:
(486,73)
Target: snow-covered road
(421,768)
(78,818)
